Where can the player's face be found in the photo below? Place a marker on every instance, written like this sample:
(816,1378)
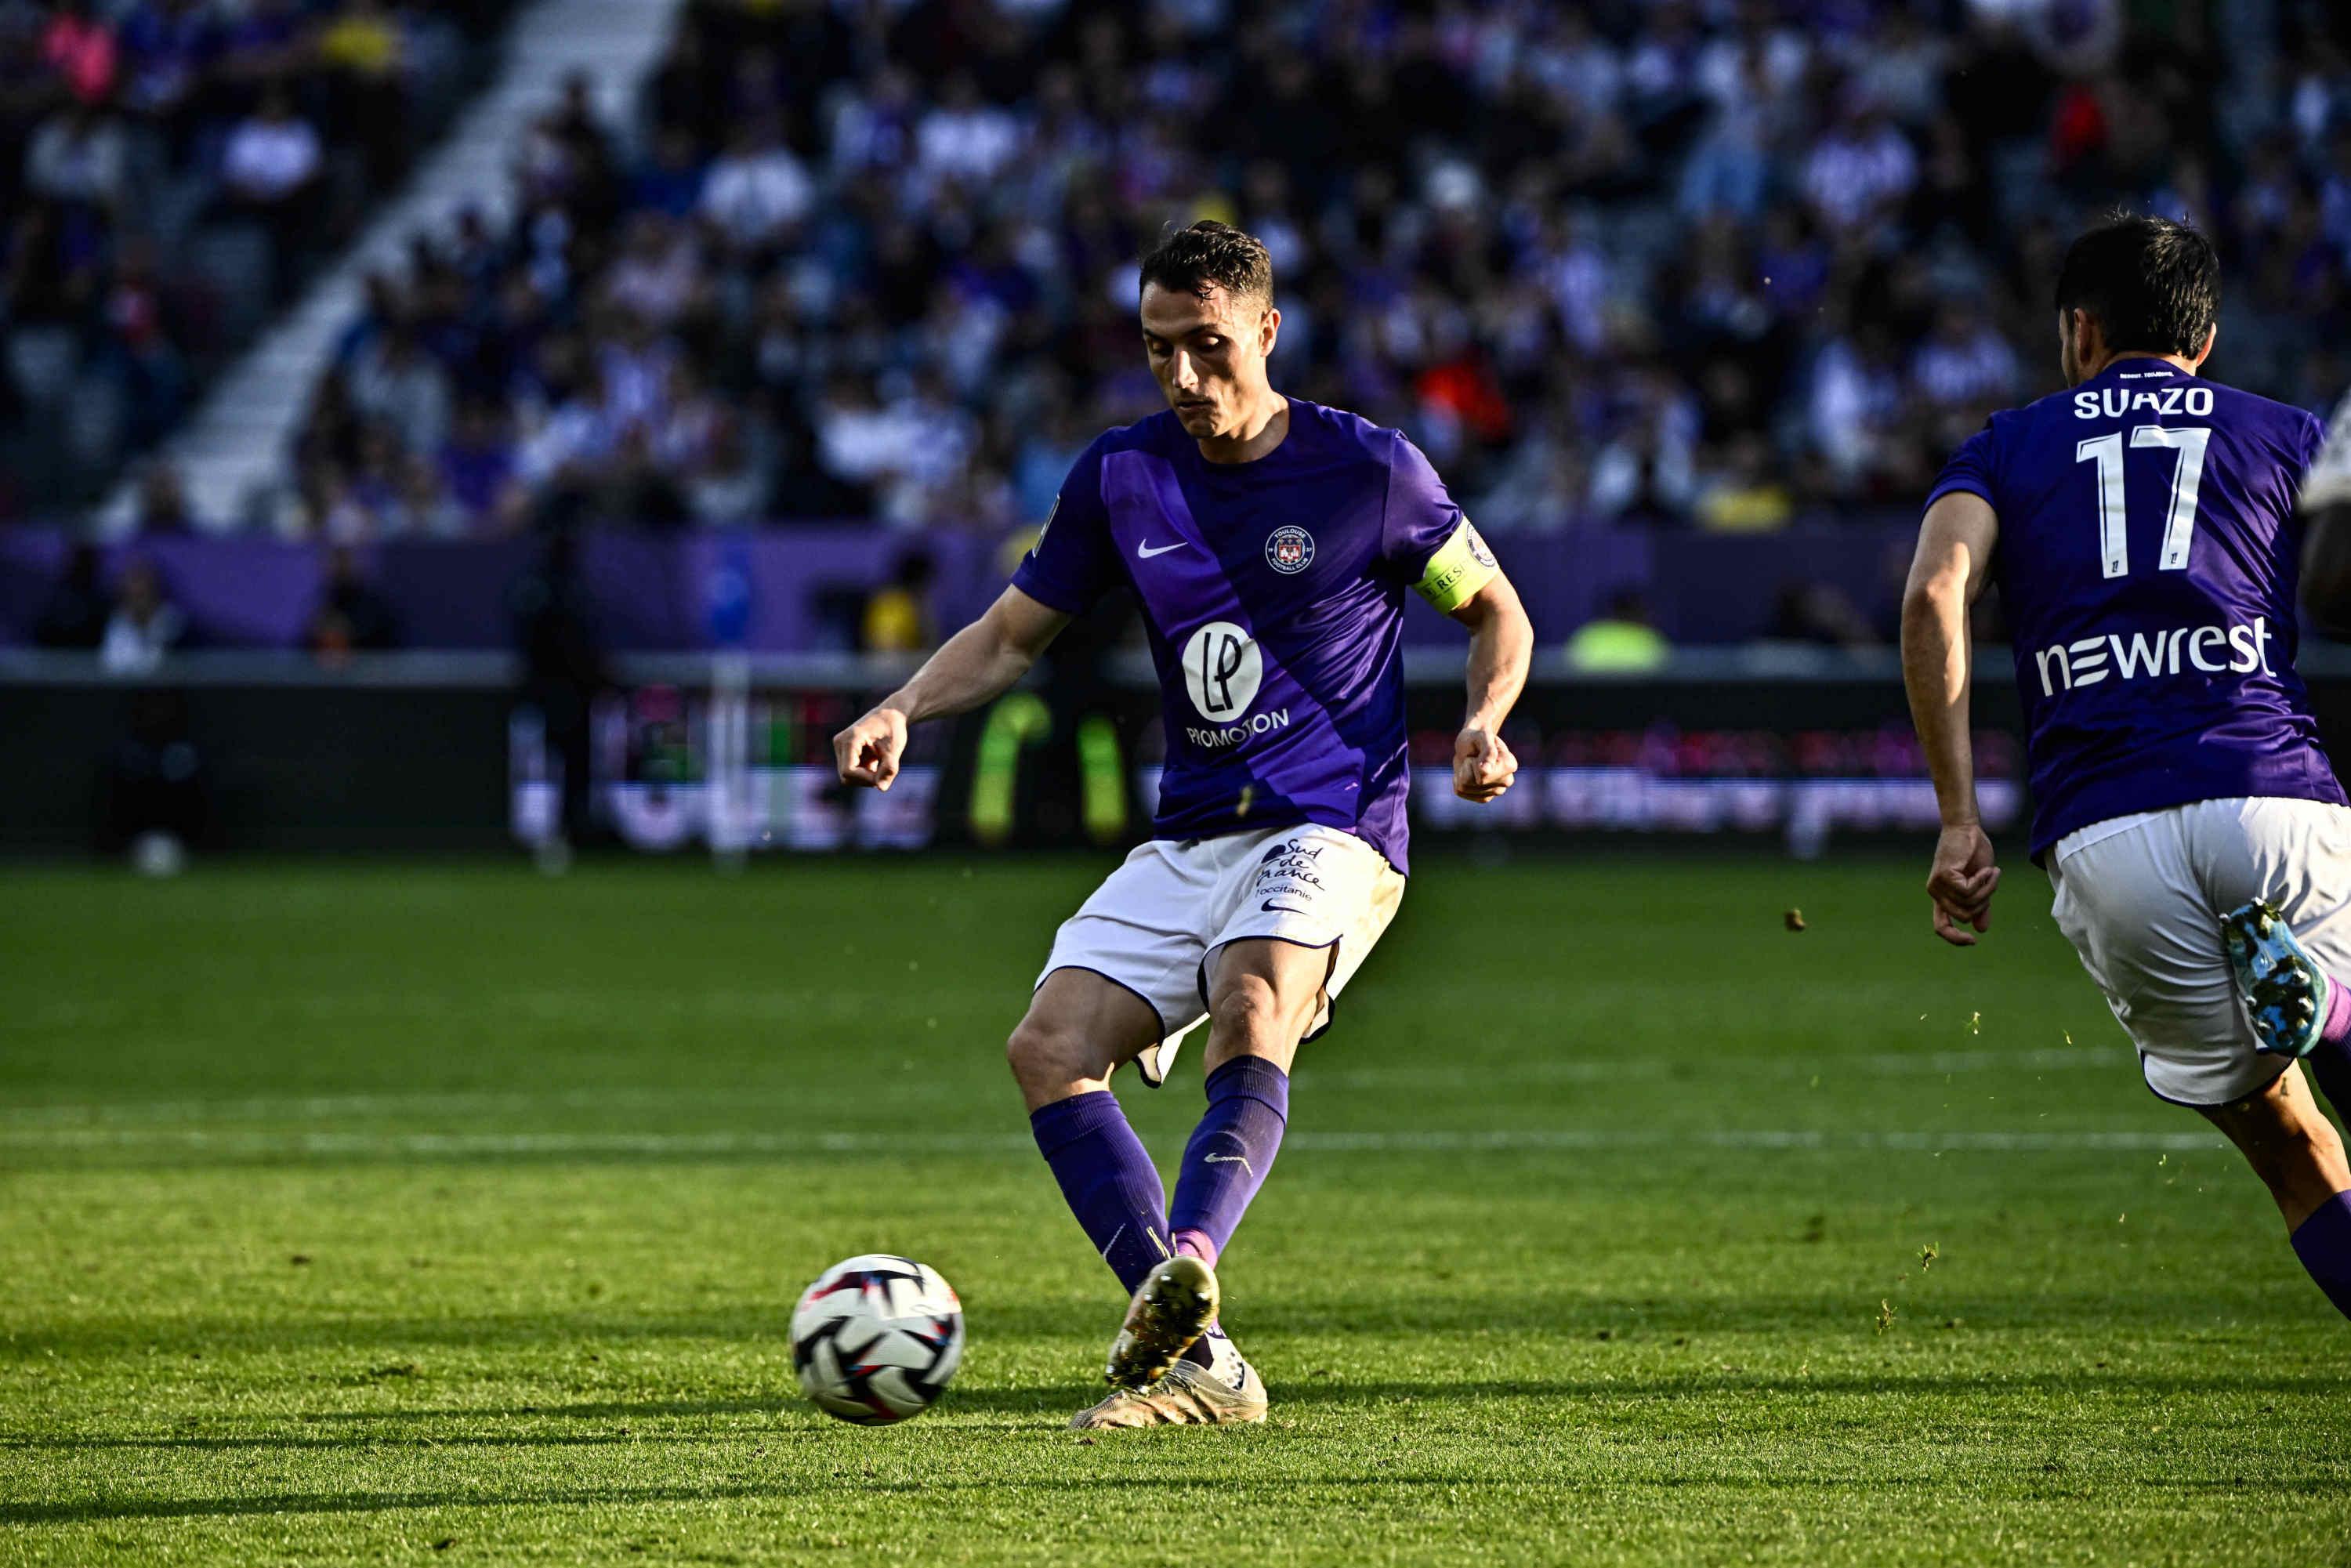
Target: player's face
(1208,356)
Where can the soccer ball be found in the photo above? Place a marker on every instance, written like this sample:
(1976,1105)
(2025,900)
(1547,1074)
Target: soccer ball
(876,1338)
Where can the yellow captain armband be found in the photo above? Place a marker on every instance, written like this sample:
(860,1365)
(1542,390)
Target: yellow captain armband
(1462,566)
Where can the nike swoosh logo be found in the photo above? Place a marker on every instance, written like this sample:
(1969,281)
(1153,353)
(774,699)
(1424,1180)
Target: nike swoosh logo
(1144,552)
(1230,1160)
(1281,908)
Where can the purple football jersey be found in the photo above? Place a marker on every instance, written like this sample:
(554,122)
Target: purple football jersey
(1273,595)
(2148,565)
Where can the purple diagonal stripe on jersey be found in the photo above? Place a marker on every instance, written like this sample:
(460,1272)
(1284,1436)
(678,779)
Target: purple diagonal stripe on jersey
(1241,751)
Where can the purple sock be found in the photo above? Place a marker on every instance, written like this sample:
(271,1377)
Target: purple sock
(2323,1242)
(1108,1180)
(2338,1027)
(1230,1151)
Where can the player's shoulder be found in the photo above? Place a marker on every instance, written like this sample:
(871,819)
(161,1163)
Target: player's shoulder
(2240,403)
(1335,435)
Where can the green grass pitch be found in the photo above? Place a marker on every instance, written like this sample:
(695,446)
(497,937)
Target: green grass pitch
(400,1214)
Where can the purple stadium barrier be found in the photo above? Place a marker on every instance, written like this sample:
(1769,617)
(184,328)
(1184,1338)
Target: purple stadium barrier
(652,590)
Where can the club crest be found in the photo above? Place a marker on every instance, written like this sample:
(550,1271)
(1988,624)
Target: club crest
(1289,551)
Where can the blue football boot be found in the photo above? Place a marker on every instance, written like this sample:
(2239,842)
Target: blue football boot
(2284,990)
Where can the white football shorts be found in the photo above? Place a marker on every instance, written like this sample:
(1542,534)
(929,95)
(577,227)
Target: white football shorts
(1154,923)
(2141,898)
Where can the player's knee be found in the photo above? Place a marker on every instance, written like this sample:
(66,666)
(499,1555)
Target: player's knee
(1246,1008)
(1044,1054)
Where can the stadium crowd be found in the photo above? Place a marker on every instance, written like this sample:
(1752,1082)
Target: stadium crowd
(1719,260)
(128,127)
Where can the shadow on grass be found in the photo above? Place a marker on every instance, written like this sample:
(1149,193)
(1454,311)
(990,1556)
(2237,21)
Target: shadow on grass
(1044,1408)
(1565,1316)
(1153,1487)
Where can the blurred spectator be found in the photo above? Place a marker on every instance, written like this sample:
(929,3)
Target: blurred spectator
(74,618)
(155,796)
(139,132)
(164,506)
(79,155)
(351,616)
(1620,642)
(478,468)
(1724,264)
(1745,495)
(270,168)
(563,669)
(897,618)
(756,190)
(145,624)
(80,47)
(394,380)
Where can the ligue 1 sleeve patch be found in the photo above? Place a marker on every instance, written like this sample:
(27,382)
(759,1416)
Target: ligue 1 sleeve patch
(1462,566)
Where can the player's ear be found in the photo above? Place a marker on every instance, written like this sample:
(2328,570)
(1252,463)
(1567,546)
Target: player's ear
(2211,335)
(1268,330)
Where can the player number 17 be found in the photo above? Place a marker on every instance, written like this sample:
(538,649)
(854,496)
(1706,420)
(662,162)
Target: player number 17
(2186,477)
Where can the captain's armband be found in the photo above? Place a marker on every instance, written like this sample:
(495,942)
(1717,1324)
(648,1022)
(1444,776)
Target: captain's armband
(1462,566)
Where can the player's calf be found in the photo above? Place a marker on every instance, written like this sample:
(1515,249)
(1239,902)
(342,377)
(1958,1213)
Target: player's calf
(2298,1155)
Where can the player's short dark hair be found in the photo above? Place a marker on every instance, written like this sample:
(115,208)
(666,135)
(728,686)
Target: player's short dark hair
(1210,255)
(2154,284)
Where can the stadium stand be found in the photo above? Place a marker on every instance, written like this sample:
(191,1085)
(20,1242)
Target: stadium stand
(168,171)
(1725,263)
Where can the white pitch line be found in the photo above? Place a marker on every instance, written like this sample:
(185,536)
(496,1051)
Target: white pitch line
(305,1108)
(1499,1140)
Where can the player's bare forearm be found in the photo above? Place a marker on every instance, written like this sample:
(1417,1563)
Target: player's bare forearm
(1935,658)
(980,663)
(975,666)
(1501,646)
(1955,546)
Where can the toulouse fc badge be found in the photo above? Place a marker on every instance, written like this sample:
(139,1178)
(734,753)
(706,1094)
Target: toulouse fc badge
(1289,551)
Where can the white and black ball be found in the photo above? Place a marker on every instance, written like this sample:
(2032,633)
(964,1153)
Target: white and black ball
(876,1338)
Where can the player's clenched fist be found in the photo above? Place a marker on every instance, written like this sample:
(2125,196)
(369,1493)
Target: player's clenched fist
(1483,765)
(867,751)
(1961,884)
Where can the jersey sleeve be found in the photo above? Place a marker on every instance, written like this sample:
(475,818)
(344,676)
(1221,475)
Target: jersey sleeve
(2328,481)
(1426,539)
(1073,562)
(1970,469)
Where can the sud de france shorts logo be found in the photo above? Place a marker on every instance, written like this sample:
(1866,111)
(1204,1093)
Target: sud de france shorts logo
(1290,549)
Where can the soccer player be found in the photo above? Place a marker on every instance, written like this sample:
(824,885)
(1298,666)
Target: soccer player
(1270,542)
(2142,529)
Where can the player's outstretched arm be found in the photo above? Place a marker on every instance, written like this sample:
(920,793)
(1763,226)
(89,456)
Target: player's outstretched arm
(976,665)
(1955,546)
(1501,644)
